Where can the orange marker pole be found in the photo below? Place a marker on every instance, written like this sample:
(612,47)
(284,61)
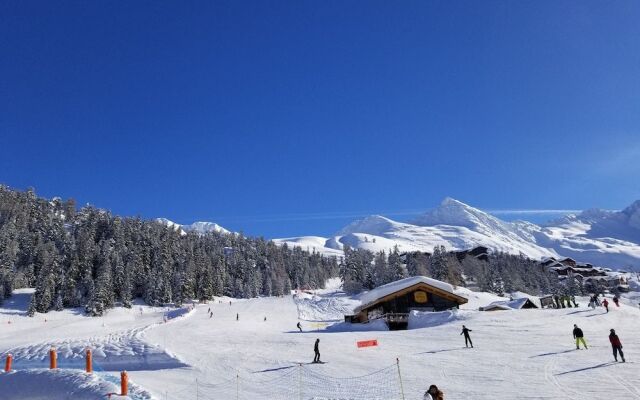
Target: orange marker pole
(53,359)
(7,365)
(124,383)
(89,361)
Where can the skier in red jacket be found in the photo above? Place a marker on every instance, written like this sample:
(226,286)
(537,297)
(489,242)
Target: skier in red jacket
(616,345)
(605,304)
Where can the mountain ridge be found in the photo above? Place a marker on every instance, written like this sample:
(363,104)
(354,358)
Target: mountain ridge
(603,237)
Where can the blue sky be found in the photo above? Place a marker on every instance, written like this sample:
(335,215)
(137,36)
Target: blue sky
(286,118)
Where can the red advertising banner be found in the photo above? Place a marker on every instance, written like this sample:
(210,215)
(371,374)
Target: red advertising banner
(367,343)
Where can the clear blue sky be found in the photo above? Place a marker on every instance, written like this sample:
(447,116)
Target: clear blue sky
(286,118)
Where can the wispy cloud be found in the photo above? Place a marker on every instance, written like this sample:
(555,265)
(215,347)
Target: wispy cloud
(533,211)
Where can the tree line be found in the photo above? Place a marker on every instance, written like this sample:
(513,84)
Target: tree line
(501,273)
(90,258)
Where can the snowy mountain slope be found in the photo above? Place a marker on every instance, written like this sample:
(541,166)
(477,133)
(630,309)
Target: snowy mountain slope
(598,236)
(200,227)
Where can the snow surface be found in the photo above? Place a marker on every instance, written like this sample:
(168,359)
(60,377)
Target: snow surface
(43,384)
(601,237)
(518,354)
(199,227)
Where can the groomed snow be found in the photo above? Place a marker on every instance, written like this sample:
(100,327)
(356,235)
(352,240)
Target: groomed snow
(518,354)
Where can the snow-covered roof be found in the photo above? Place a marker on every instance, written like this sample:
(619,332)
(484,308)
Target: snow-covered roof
(516,304)
(385,290)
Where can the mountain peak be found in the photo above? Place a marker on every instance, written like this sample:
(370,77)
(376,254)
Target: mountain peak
(454,212)
(451,202)
(373,224)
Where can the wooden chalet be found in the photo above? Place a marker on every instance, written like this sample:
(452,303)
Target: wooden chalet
(394,301)
(479,252)
(568,261)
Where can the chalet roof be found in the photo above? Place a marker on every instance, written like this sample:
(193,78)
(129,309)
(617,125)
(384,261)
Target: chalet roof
(516,304)
(373,296)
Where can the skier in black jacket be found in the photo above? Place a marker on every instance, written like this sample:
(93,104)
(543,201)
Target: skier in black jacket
(467,338)
(578,335)
(316,350)
(299,327)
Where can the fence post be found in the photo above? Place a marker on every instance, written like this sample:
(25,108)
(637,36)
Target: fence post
(89,361)
(300,381)
(237,381)
(400,377)
(124,383)
(53,358)
(7,365)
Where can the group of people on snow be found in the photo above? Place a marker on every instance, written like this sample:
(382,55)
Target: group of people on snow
(616,344)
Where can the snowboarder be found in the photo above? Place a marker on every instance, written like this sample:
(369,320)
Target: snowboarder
(316,351)
(299,327)
(467,338)
(578,335)
(605,304)
(433,393)
(616,346)
(616,300)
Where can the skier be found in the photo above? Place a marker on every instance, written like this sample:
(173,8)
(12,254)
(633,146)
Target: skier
(237,317)
(616,300)
(573,300)
(209,310)
(265,319)
(467,338)
(316,351)
(299,327)
(605,304)
(578,335)
(616,346)
(210,315)
(433,393)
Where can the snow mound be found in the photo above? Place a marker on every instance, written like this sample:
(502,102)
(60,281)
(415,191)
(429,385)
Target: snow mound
(377,325)
(115,352)
(324,308)
(61,384)
(427,319)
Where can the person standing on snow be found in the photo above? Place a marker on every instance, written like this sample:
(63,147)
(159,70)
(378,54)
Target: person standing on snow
(238,317)
(578,335)
(467,338)
(616,346)
(616,300)
(605,304)
(316,351)
(299,326)
(433,393)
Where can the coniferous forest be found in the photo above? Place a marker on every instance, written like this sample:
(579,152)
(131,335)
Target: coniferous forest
(89,258)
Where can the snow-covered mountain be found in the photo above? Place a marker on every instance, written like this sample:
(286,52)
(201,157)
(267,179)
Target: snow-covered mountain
(198,227)
(601,237)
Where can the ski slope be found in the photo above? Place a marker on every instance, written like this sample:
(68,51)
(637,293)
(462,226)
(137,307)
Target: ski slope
(518,354)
